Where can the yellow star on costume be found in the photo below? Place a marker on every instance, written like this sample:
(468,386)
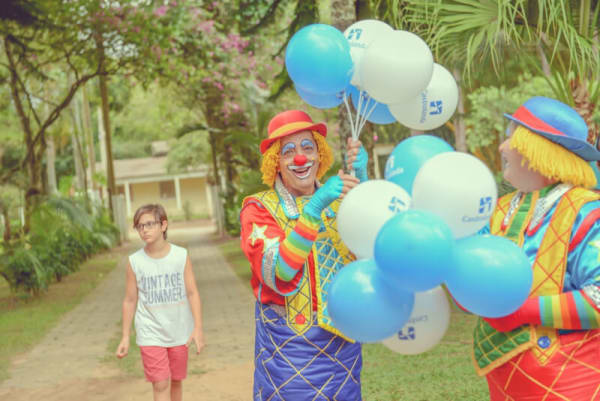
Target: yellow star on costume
(596,244)
(258,232)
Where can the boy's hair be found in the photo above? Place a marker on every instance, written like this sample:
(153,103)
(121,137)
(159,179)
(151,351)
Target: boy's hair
(157,211)
(270,159)
(552,160)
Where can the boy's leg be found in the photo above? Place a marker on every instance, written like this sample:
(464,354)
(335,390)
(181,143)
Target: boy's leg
(178,358)
(161,390)
(156,370)
(176,390)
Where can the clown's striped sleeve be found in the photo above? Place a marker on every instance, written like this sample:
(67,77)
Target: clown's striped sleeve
(572,310)
(579,306)
(294,250)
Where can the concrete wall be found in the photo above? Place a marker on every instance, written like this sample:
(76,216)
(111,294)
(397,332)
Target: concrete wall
(193,190)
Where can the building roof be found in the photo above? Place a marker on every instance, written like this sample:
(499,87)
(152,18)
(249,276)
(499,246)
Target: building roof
(147,167)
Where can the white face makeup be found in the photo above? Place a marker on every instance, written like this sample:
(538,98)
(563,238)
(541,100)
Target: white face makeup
(299,163)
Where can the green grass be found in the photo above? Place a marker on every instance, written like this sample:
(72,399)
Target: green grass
(25,320)
(444,373)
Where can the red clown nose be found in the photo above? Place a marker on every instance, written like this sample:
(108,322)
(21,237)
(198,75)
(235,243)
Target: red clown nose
(299,160)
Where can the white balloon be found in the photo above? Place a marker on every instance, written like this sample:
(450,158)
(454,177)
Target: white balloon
(365,209)
(457,187)
(426,326)
(396,67)
(360,35)
(433,107)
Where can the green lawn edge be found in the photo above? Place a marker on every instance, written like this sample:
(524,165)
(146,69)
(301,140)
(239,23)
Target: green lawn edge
(25,320)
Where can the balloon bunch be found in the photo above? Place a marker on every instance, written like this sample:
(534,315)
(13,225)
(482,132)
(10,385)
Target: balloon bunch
(389,75)
(421,227)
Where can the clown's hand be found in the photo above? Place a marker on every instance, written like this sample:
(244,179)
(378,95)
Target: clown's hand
(328,192)
(357,157)
(528,313)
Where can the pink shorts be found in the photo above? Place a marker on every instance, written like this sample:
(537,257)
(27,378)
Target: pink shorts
(162,363)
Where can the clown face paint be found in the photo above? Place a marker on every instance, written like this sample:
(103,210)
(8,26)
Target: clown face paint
(299,163)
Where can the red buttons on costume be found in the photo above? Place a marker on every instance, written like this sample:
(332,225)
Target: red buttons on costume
(300,319)
(299,160)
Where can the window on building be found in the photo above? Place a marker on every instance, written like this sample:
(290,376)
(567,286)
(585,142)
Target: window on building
(167,189)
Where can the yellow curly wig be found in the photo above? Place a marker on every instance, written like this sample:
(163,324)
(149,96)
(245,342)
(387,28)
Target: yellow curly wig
(270,159)
(552,160)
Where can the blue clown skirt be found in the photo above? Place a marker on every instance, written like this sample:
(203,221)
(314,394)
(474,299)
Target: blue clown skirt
(317,365)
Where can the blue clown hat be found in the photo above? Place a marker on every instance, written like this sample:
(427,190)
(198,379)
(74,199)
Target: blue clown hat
(557,122)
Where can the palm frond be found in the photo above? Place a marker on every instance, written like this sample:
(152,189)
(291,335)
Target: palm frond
(74,213)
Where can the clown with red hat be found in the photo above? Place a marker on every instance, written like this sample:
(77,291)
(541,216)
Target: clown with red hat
(289,235)
(547,349)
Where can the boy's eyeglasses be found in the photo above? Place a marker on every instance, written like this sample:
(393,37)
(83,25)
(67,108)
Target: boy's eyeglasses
(149,225)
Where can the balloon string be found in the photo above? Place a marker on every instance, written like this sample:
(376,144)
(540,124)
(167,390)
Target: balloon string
(349,114)
(358,115)
(368,114)
(352,173)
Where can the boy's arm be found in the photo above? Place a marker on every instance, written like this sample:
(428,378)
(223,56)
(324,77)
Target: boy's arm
(195,305)
(128,310)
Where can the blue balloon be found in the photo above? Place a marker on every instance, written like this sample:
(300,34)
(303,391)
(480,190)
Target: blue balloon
(363,306)
(414,250)
(491,277)
(317,59)
(380,115)
(408,156)
(320,100)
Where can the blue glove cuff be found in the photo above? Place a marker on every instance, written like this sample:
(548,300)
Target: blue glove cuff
(360,165)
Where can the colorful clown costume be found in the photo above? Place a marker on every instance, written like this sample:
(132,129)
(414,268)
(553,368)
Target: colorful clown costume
(558,357)
(293,257)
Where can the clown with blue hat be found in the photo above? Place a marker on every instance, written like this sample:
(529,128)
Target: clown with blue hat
(289,235)
(547,349)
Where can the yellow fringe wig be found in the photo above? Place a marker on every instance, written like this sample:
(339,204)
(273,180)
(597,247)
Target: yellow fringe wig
(552,160)
(270,160)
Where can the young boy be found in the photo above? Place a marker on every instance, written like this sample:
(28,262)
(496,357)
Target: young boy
(161,289)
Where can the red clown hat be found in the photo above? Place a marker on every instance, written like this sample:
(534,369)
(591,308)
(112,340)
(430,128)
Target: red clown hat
(290,122)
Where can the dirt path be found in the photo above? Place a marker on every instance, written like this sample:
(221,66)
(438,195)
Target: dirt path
(67,364)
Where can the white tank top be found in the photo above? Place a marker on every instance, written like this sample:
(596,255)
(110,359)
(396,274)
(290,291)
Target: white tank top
(163,316)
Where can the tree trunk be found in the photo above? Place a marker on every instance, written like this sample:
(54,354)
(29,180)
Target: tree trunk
(50,165)
(50,154)
(543,59)
(89,138)
(7,233)
(110,175)
(218,205)
(460,134)
(343,14)
(77,148)
(32,167)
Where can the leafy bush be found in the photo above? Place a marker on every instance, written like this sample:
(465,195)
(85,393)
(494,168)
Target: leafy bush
(23,270)
(63,235)
(250,183)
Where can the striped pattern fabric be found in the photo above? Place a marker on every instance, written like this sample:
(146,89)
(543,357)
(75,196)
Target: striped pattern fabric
(571,310)
(294,250)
